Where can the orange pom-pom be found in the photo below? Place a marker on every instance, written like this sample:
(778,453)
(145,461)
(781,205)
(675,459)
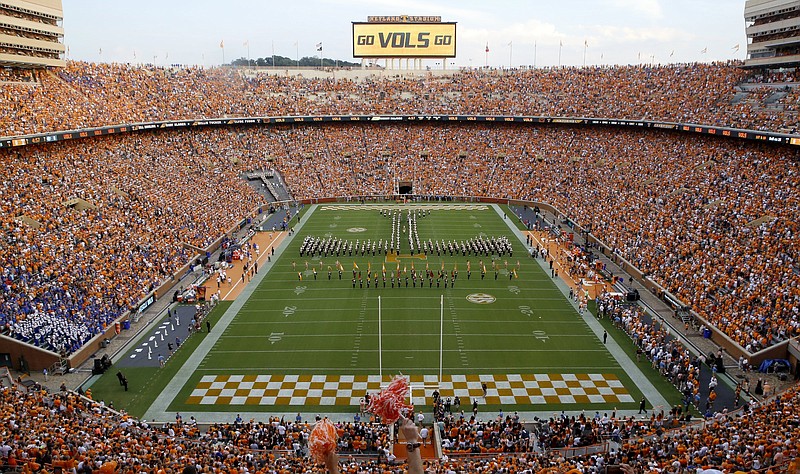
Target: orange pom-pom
(108,467)
(389,403)
(322,440)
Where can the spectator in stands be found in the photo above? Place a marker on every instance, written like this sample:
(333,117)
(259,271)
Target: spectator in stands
(722,242)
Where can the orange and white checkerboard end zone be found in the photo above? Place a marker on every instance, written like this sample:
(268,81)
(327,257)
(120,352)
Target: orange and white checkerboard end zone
(347,390)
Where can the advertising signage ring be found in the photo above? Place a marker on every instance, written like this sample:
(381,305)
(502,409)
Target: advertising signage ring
(404,40)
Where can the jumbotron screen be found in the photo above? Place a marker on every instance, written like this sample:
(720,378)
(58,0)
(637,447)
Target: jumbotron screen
(404,40)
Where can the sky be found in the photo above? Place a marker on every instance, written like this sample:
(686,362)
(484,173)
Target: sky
(517,32)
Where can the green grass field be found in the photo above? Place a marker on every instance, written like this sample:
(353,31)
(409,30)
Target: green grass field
(304,334)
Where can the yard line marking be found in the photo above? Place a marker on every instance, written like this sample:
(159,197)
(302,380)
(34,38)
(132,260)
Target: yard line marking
(405,298)
(387,289)
(365,333)
(416,334)
(400,319)
(317,370)
(359,332)
(283,351)
(412,206)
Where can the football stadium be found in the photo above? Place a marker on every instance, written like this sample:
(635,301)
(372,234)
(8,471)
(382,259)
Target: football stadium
(399,265)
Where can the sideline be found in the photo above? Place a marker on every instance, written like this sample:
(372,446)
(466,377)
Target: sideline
(158,411)
(265,240)
(656,399)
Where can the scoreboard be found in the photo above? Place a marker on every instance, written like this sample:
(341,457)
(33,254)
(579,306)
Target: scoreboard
(404,40)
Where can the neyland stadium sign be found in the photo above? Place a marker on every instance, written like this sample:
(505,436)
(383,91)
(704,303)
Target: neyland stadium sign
(404,19)
(404,40)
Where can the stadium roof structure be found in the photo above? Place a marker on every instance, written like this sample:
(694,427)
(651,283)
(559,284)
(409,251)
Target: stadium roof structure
(31,35)
(773,32)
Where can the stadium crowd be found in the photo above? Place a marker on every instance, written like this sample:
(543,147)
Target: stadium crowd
(500,435)
(96,94)
(43,431)
(723,241)
(667,354)
(292,436)
(696,232)
(68,273)
(91,226)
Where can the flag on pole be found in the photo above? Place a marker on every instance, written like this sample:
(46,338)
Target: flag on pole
(355,265)
(509,43)
(295,44)
(101,51)
(487,47)
(736,48)
(246,43)
(586,43)
(319,46)
(134,53)
(560,44)
(672,53)
(383,265)
(704,50)
(222,44)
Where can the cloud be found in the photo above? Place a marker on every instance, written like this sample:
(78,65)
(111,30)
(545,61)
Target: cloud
(525,32)
(627,34)
(648,8)
(548,34)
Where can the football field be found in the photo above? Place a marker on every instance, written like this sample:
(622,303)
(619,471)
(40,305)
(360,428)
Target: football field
(446,294)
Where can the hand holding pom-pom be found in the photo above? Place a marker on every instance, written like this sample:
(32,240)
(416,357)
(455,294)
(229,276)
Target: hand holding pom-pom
(390,402)
(322,441)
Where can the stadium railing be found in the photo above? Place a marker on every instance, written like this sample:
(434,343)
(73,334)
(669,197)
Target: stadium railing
(693,128)
(574,452)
